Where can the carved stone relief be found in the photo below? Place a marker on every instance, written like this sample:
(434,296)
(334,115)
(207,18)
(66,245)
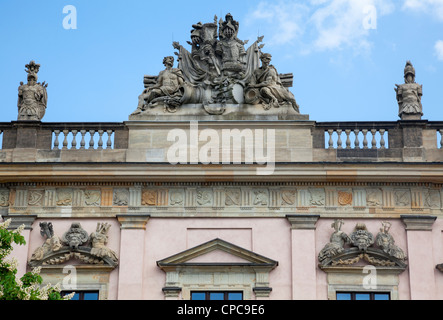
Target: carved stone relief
(272,197)
(75,243)
(4,198)
(402,197)
(344,198)
(36,197)
(176,197)
(379,251)
(232,197)
(92,197)
(121,197)
(361,237)
(64,197)
(204,197)
(432,198)
(75,236)
(374,197)
(260,198)
(149,197)
(288,197)
(317,197)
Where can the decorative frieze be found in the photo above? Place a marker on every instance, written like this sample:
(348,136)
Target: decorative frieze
(265,198)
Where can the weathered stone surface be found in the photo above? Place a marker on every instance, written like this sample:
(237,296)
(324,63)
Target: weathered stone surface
(219,78)
(409,96)
(32,97)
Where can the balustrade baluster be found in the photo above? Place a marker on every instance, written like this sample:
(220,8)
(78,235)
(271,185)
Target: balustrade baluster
(83,142)
(365,138)
(100,139)
(348,139)
(382,138)
(339,142)
(56,142)
(91,141)
(74,142)
(109,142)
(65,140)
(373,142)
(356,141)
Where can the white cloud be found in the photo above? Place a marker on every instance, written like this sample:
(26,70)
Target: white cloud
(432,7)
(439,49)
(321,24)
(284,20)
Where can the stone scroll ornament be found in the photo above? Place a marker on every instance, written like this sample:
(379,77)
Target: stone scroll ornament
(379,251)
(75,244)
(32,96)
(218,71)
(409,96)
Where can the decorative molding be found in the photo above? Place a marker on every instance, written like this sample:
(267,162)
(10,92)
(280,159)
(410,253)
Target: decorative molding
(18,220)
(253,273)
(133,221)
(302,221)
(421,223)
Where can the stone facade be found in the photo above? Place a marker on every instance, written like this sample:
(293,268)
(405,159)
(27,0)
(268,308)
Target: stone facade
(331,204)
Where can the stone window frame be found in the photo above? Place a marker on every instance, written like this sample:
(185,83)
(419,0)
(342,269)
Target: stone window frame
(352,279)
(181,274)
(89,278)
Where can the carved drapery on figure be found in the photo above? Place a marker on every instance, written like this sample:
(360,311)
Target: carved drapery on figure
(362,248)
(409,96)
(165,88)
(265,87)
(218,72)
(75,244)
(32,96)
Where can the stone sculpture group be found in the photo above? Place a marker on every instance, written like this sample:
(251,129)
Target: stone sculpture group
(218,71)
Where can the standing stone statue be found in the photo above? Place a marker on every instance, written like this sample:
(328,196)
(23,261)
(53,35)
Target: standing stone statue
(32,97)
(166,88)
(266,87)
(231,49)
(409,96)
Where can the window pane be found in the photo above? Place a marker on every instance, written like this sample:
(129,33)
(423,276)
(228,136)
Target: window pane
(362,296)
(90,296)
(216,296)
(343,296)
(381,296)
(235,296)
(198,296)
(76,296)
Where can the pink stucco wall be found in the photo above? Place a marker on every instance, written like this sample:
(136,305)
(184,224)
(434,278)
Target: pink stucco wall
(139,277)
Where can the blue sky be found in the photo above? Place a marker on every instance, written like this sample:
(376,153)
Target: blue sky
(345,64)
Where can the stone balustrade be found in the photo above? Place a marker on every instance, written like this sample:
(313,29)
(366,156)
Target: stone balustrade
(89,139)
(356,135)
(295,141)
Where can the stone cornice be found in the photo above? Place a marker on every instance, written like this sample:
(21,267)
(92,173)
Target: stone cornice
(418,223)
(163,172)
